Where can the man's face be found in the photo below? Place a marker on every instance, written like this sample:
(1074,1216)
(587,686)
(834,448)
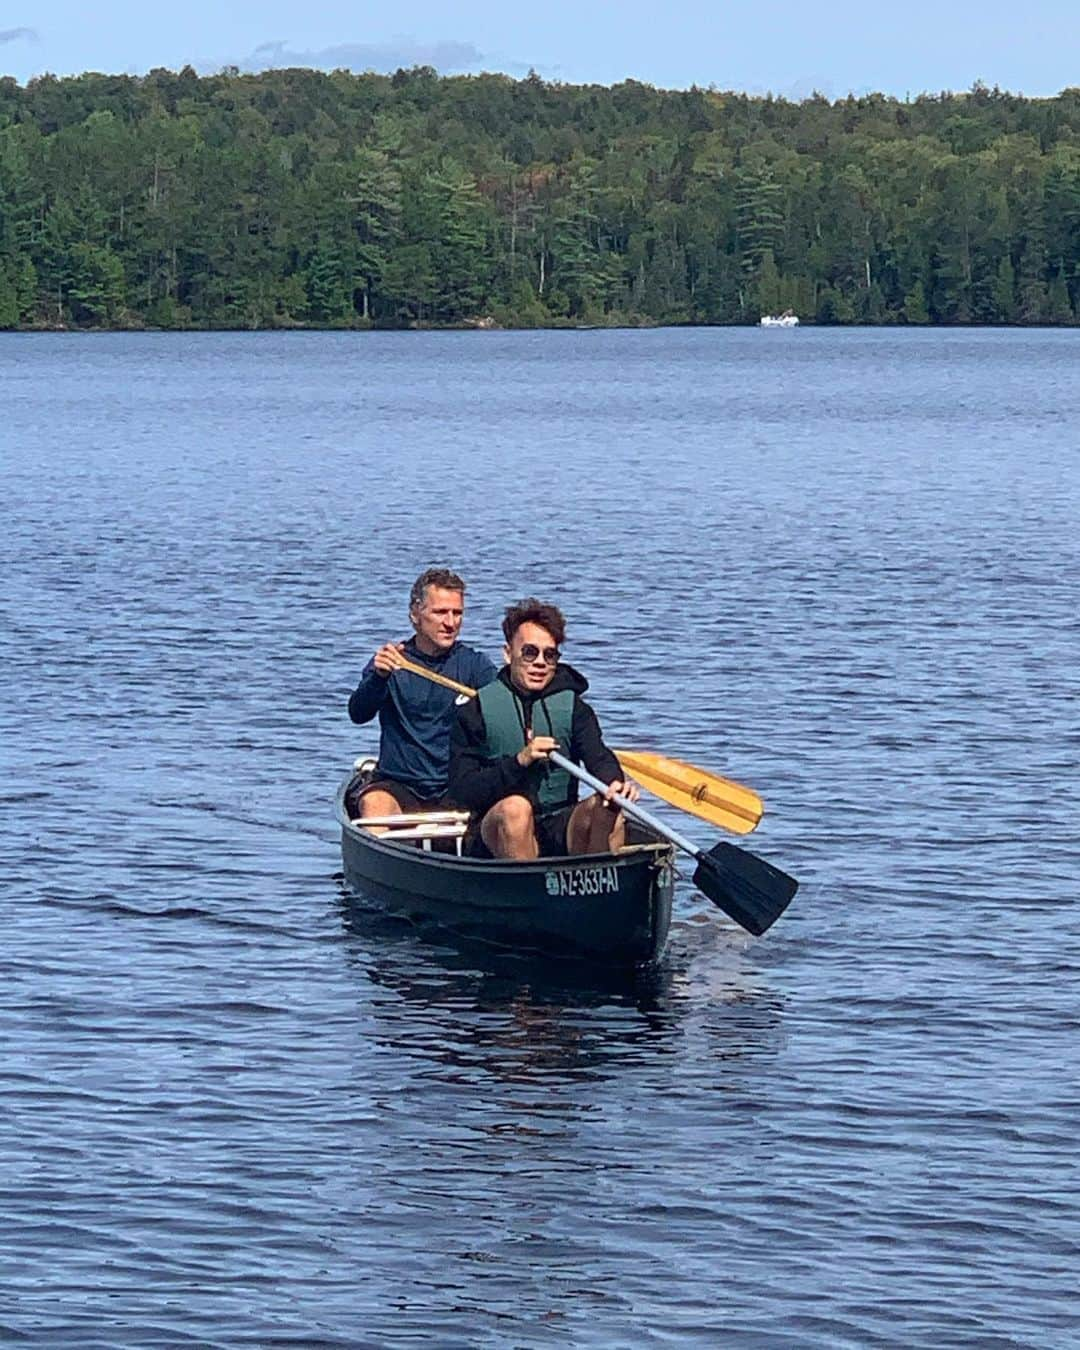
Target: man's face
(532,656)
(437,619)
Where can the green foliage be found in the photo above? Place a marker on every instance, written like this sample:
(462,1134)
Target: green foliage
(330,285)
(1003,292)
(298,198)
(915,310)
(95,290)
(769,285)
(834,307)
(166,313)
(9,306)
(18,290)
(523,308)
(1059,306)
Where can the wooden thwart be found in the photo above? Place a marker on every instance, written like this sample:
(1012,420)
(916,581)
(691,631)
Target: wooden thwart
(418,827)
(416,818)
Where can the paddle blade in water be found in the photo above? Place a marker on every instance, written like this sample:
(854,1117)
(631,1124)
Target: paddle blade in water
(751,891)
(715,799)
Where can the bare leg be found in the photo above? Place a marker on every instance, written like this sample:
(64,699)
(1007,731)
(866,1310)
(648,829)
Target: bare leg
(379,803)
(595,828)
(616,830)
(508,831)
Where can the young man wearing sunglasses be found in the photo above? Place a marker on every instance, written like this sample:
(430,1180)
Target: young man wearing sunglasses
(501,742)
(414,714)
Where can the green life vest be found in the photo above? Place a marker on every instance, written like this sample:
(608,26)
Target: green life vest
(552,716)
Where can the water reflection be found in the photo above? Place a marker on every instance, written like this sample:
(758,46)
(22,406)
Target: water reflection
(528,1019)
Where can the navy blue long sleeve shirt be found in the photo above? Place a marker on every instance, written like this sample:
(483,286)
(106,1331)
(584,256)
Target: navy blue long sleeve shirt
(415,715)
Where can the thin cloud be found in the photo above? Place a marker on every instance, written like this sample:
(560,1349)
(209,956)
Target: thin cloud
(18,34)
(402,53)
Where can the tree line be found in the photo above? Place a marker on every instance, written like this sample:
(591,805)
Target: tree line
(295,198)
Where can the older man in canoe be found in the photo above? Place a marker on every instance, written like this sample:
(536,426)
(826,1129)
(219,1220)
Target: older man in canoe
(501,743)
(415,714)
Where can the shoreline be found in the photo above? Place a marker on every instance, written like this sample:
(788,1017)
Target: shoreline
(648,325)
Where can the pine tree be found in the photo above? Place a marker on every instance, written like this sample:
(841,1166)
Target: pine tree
(915,310)
(1059,308)
(1004,292)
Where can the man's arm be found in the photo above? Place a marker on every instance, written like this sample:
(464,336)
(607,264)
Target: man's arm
(369,695)
(588,746)
(477,783)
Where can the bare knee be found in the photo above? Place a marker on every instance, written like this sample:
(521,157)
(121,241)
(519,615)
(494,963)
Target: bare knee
(590,810)
(512,813)
(378,803)
(595,828)
(507,829)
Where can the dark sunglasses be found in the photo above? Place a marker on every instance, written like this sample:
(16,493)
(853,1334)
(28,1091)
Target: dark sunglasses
(530,651)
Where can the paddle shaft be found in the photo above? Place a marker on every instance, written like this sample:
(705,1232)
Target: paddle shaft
(631,808)
(405,664)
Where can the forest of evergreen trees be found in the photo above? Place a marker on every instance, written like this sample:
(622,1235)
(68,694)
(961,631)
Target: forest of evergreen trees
(295,198)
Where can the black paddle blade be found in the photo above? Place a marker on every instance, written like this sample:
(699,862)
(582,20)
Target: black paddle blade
(753,892)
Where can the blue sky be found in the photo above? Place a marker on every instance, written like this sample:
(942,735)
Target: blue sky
(787,46)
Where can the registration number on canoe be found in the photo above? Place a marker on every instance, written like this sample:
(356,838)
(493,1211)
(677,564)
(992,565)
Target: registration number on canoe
(583,881)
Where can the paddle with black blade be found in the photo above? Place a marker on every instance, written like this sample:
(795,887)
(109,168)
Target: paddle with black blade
(749,890)
(753,892)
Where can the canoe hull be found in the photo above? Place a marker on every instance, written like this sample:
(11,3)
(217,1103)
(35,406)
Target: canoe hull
(613,909)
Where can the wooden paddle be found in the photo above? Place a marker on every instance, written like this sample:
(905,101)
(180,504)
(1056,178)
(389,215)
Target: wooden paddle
(717,800)
(750,890)
(405,664)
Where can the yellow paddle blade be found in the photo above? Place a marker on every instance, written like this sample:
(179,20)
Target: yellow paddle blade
(718,800)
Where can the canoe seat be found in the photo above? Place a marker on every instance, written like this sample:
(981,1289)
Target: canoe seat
(416,818)
(420,828)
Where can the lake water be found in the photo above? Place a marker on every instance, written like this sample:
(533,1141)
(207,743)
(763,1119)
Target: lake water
(237,1108)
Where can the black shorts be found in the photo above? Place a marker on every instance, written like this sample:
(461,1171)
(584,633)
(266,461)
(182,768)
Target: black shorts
(550,834)
(406,798)
(551,831)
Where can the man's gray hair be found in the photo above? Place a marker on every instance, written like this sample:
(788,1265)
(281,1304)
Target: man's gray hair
(434,576)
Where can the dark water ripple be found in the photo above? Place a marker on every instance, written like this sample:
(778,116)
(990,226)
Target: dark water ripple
(241,1108)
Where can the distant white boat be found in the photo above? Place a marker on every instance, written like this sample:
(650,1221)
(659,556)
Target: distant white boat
(785,320)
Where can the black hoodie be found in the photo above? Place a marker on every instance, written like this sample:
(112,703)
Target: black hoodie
(477,783)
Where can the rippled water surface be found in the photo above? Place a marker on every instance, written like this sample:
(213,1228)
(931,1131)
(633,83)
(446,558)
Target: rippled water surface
(237,1107)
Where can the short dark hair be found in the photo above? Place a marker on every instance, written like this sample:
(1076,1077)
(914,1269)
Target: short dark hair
(434,576)
(532,610)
